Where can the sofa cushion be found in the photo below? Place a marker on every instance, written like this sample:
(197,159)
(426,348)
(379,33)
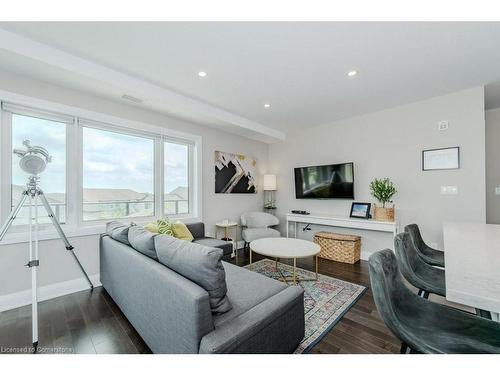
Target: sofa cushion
(197,229)
(143,241)
(246,289)
(251,234)
(181,231)
(118,231)
(152,227)
(200,264)
(227,247)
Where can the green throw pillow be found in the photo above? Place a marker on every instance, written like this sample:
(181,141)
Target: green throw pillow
(181,231)
(165,227)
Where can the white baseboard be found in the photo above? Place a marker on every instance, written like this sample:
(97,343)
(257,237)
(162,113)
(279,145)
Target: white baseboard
(23,298)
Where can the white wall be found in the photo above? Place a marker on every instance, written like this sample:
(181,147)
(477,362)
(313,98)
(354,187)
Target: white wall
(56,265)
(492,165)
(389,144)
(386,143)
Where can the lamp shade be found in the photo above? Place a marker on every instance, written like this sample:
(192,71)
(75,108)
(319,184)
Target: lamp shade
(269,182)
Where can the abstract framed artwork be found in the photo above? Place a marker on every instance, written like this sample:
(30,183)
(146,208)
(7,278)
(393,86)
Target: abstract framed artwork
(235,173)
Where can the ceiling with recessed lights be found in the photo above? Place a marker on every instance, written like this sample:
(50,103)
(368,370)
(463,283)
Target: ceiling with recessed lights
(271,78)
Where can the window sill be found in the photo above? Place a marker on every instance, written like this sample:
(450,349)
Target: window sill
(51,234)
(72,232)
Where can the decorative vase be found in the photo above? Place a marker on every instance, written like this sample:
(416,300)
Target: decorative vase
(383,213)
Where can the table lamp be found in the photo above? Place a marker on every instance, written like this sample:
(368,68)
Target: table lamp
(270,188)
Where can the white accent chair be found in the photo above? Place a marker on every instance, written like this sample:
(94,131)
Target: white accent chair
(257,225)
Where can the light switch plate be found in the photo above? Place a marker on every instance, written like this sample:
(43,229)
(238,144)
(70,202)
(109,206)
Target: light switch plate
(449,190)
(497,190)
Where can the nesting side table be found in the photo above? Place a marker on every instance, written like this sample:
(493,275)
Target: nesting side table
(227,226)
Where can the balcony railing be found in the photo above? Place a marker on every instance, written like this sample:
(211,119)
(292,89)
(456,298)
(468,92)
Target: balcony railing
(107,210)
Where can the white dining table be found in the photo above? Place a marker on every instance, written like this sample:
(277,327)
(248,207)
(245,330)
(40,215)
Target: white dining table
(472,265)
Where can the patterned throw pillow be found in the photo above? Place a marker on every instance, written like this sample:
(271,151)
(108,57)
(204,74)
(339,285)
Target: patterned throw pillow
(165,227)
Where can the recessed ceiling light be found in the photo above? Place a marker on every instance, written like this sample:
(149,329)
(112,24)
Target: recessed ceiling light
(267,105)
(352,73)
(202,74)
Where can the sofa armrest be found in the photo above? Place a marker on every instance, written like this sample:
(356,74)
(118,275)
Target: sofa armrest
(276,325)
(197,229)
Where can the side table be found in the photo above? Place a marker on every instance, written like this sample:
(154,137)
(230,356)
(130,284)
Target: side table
(227,225)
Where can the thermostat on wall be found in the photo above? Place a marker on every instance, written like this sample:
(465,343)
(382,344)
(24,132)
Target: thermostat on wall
(443,125)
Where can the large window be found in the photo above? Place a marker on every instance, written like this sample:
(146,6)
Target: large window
(98,171)
(52,136)
(118,175)
(176,176)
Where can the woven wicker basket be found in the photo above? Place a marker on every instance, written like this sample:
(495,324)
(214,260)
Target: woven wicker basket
(383,213)
(338,247)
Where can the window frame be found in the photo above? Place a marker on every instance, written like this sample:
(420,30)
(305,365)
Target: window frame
(7,110)
(191,176)
(75,226)
(82,123)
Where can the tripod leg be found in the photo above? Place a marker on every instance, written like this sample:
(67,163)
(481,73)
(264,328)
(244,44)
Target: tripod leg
(33,265)
(62,235)
(13,215)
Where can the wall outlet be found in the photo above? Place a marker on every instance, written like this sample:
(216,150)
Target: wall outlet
(497,190)
(443,125)
(449,190)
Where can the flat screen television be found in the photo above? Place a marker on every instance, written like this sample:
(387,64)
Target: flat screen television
(325,181)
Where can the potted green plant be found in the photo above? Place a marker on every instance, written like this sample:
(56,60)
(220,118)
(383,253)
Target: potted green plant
(383,190)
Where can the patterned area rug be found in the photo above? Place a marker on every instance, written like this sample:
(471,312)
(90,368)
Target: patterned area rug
(325,300)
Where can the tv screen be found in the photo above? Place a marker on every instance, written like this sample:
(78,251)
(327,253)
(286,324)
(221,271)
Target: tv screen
(325,181)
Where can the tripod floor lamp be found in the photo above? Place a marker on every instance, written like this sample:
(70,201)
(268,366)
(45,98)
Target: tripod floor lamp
(33,161)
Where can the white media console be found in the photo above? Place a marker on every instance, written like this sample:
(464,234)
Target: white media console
(343,222)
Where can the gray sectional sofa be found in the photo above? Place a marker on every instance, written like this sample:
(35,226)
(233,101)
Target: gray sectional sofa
(198,232)
(173,314)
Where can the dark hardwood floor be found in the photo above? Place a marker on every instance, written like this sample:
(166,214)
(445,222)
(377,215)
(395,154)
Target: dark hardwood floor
(90,322)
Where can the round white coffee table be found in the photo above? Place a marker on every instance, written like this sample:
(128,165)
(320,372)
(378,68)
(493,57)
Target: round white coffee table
(288,248)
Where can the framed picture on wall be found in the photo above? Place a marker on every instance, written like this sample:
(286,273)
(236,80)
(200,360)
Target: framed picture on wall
(441,158)
(235,173)
(360,210)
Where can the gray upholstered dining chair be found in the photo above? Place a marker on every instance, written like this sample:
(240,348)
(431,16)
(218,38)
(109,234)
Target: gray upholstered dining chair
(257,225)
(428,254)
(421,275)
(424,326)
